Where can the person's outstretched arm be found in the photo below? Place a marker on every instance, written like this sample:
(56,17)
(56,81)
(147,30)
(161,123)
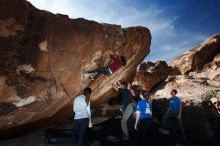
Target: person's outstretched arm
(138,113)
(168,109)
(115,86)
(88,109)
(137,118)
(180,111)
(132,92)
(119,83)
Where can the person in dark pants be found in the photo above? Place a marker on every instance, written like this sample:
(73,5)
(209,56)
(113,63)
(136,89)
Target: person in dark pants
(143,121)
(117,62)
(82,118)
(127,104)
(174,110)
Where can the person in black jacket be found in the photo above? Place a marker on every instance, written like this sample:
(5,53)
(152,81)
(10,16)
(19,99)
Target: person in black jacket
(127,104)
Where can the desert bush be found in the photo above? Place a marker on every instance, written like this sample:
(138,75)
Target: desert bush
(210,94)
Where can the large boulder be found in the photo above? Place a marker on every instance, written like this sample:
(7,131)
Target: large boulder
(151,74)
(43,57)
(212,69)
(196,58)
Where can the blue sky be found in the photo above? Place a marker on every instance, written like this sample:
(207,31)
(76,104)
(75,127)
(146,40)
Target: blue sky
(175,25)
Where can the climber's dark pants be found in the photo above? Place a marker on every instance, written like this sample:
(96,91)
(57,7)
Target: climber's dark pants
(101,70)
(173,115)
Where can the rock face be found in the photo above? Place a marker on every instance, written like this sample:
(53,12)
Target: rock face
(212,70)
(200,68)
(189,88)
(151,74)
(43,57)
(198,83)
(197,57)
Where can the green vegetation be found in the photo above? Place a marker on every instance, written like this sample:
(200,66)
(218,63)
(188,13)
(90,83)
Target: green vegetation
(212,93)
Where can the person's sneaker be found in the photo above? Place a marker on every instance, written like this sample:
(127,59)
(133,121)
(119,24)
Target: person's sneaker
(118,117)
(91,78)
(161,130)
(84,71)
(112,138)
(166,132)
(125,138)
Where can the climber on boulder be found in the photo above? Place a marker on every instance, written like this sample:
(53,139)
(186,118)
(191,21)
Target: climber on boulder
(117,62)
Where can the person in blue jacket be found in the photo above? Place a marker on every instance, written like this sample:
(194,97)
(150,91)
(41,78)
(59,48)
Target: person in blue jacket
(143,111)
(143,121)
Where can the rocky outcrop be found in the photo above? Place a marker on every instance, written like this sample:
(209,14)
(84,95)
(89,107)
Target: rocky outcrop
(196,58)
(43,57)
(200,70)
(197,86)
(189,88)
(151,74)
(212,70)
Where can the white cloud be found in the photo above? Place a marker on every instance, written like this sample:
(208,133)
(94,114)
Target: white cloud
(167,43)
(173,46)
